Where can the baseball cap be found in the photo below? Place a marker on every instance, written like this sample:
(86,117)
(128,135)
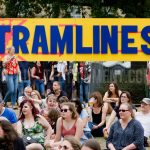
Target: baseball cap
(146,101)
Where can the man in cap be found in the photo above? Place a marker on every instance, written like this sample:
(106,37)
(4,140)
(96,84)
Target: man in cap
(8,113)
(144,117)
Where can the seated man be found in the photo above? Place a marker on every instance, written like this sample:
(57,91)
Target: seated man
(27,94)
(8,113)
(144,118)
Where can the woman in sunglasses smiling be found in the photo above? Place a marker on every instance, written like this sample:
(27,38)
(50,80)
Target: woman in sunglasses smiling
(126,133)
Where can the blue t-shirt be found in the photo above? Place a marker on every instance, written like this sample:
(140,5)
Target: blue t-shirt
(10,115)
(83,115)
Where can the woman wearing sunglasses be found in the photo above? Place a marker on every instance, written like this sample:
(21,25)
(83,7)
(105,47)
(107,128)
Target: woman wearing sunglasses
(126,133)
(67,125)
(125,97)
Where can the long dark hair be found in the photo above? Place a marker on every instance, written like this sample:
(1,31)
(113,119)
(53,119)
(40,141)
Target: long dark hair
(116,90)
(34,109)
(78,105)
(10,134)
(128,96)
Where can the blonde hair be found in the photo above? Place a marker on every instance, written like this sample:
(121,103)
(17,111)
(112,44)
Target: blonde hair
(37,93)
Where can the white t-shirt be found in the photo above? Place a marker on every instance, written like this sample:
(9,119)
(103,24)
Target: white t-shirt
(61,68)
(144,119)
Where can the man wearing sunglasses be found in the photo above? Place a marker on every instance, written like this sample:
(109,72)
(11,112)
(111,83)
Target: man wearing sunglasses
(144,118)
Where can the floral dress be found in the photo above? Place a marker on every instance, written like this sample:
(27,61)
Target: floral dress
(36,132)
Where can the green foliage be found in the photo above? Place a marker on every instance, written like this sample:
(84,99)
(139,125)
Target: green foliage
(59,8)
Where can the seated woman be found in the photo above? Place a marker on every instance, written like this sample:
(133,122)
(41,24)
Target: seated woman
(51,102)
(111,97)
(97,114)
(33,125)
(68,124)
(126,133)
(36,99)
(82,113)
(125,97)
(9,138)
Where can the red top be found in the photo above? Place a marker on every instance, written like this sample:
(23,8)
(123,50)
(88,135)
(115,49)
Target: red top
(71,131)
(39,72)
(12,66)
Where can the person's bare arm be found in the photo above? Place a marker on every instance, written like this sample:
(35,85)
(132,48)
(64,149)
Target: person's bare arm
(110,121)
(19,128)
(58,130)
(79,129)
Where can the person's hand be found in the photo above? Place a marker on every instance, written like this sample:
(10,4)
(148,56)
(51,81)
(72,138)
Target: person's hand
(49,143)
(94,127)
(37,77)
(106,129)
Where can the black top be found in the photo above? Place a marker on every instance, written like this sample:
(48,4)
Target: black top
(18,145)
(97,117)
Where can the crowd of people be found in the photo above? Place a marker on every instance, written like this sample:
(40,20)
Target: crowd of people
(49,117)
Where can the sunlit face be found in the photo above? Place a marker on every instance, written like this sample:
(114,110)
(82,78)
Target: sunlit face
(86,148)
(65,112)
(51,102)
(34,95)
(111,87)
(124,98)
(65,145)
(124,112)
(1,132)
(27,108)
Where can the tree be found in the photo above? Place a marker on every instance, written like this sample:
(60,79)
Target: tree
(61,8)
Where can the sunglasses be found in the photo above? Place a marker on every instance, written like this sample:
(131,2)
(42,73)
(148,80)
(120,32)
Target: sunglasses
(64,147)
(64,110)
(122,110)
